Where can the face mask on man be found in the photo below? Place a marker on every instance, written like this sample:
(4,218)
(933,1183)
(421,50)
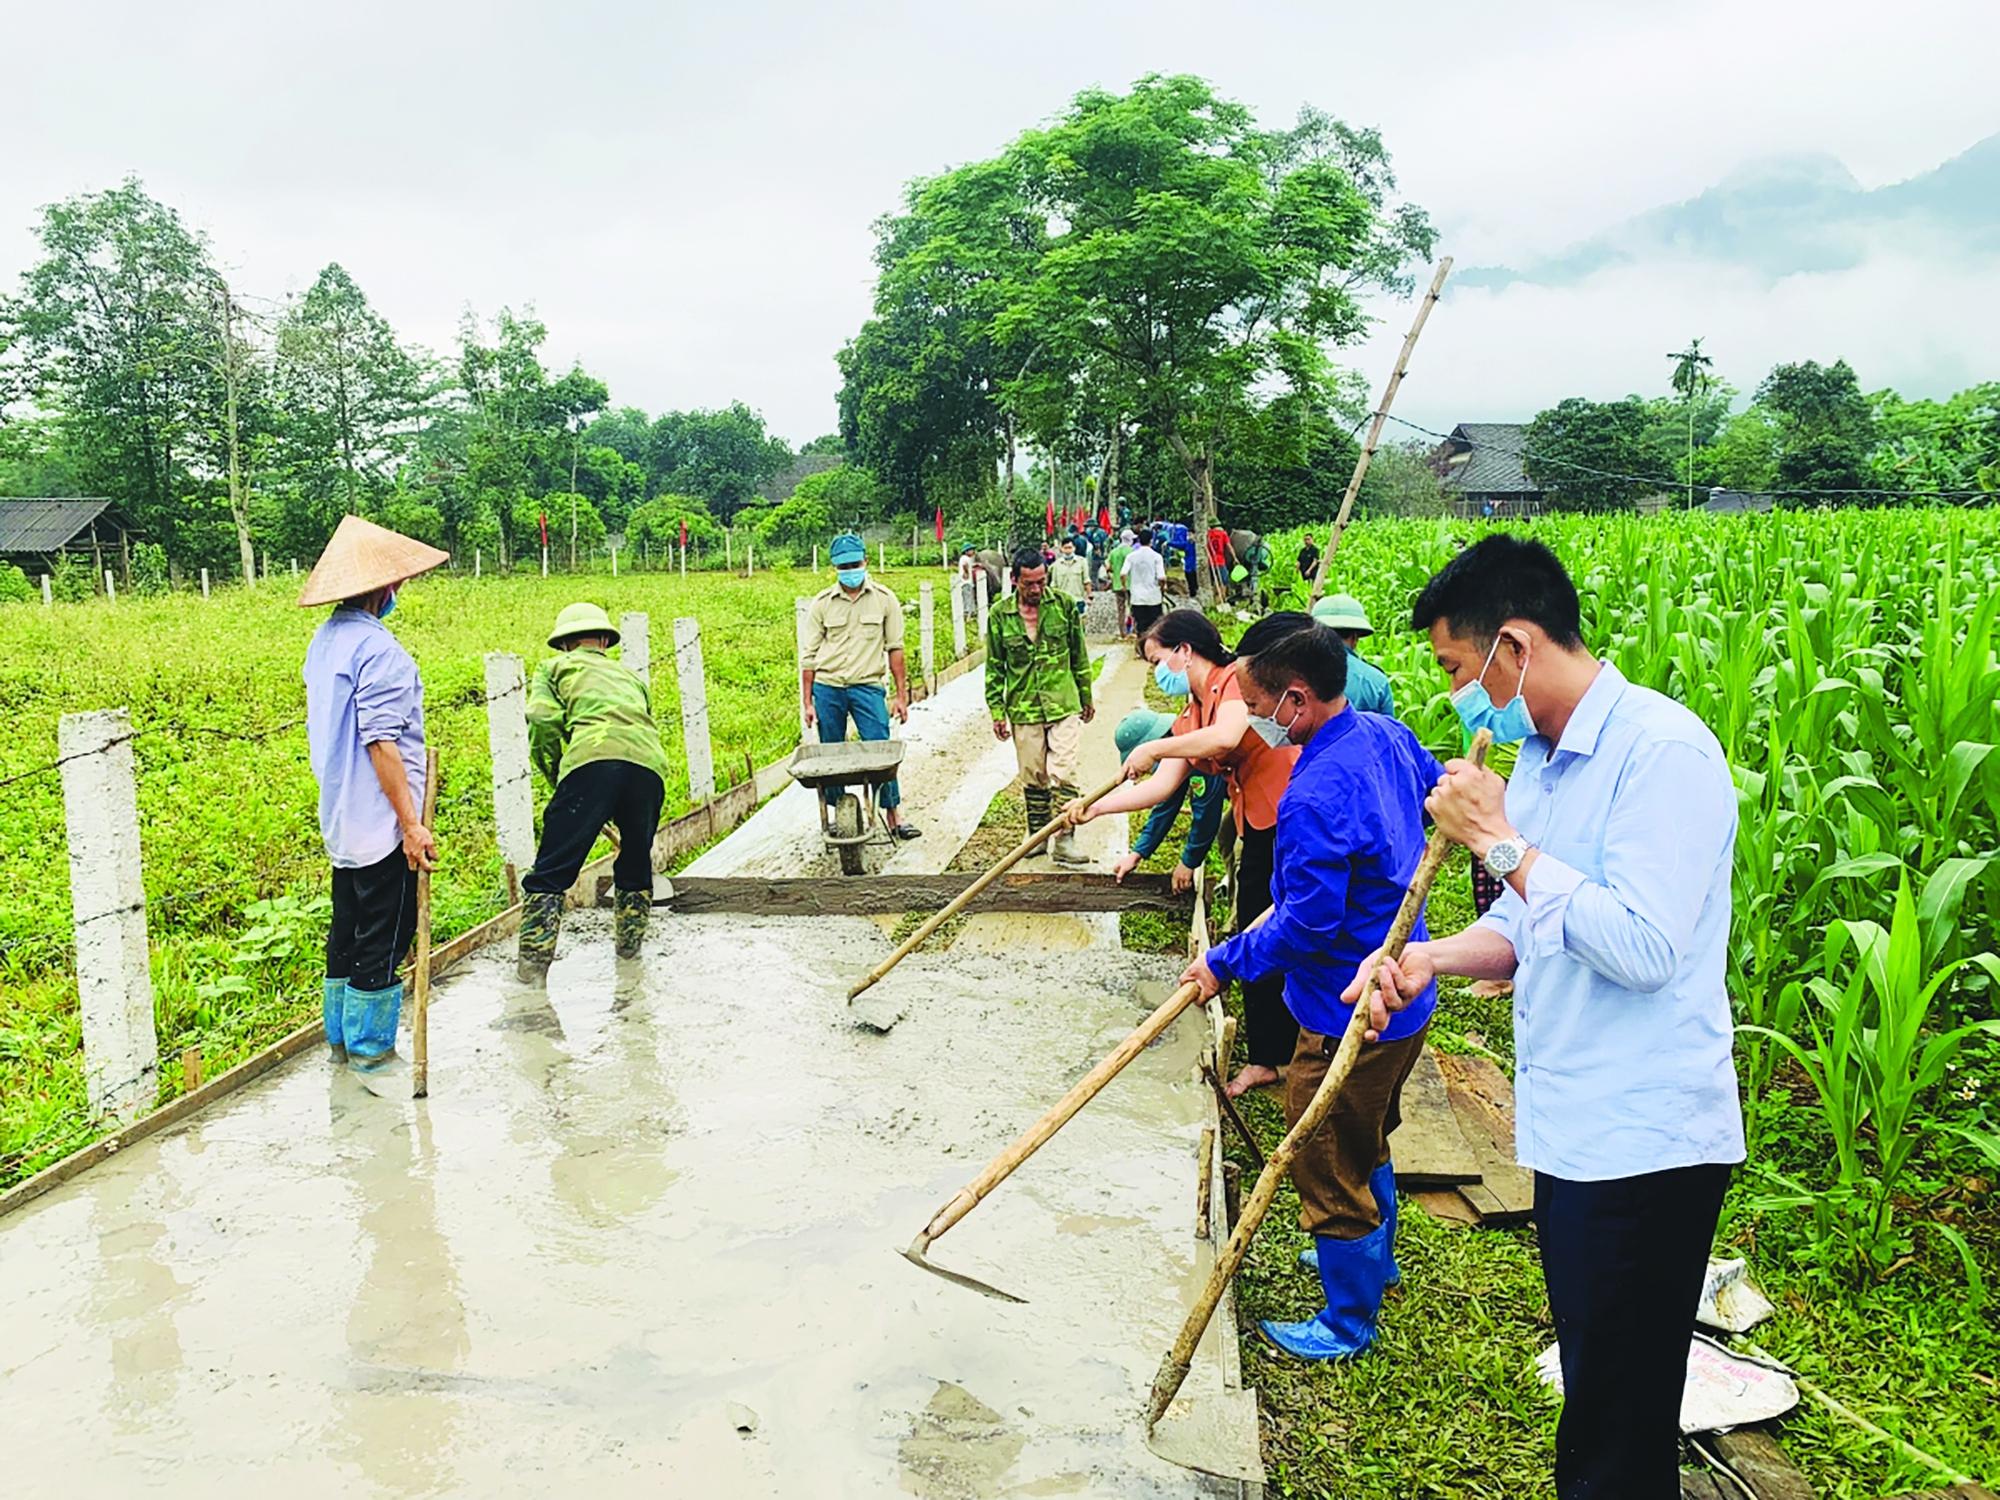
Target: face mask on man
(1476,709)
(851,578)
(1270,731)
(388,606)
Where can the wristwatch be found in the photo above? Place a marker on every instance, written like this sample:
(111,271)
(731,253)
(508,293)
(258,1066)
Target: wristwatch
(1505,856)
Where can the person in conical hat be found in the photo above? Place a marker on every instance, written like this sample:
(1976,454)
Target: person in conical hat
(365,728)
(591,734)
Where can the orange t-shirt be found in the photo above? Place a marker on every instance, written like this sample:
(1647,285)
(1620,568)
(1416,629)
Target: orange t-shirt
(1258,773)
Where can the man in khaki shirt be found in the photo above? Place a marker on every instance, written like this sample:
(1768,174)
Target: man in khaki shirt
(854,638)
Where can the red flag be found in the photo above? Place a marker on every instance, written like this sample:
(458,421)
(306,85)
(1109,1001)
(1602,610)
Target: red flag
(545,531)
(1104,517)
(684,533)
(940,523)
(1049,521)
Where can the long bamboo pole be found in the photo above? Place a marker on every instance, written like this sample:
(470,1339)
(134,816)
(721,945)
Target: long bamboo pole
(420,980)
(1174,1368)
(958,903)
(1375,432)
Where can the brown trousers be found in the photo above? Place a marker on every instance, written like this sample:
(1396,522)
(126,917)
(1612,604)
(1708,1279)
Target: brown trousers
(1331,1171)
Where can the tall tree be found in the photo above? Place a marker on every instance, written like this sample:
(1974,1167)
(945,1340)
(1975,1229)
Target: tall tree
(115,327)
(1690,380)
(721,456)
(1590,455)
(1826,430)
(348,392)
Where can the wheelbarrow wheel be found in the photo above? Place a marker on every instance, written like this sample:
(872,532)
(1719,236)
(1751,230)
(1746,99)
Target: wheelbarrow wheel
(847,825)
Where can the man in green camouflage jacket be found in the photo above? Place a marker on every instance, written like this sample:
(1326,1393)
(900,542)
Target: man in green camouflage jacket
(1038,679)
(591,734)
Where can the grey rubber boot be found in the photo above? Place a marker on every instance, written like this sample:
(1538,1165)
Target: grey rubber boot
(1063,846)
(541,923)
(630,911)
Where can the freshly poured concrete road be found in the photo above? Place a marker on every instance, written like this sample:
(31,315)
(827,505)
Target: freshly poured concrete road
(641,1240)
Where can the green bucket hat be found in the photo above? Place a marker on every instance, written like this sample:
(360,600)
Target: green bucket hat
(1343,612)
(1139,727)
(582,619)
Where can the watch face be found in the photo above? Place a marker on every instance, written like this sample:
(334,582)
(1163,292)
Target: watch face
(1504,857)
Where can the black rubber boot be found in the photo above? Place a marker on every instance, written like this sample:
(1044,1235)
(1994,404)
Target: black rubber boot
(630,911)
(1037,800)
(541,923)
(1062,848)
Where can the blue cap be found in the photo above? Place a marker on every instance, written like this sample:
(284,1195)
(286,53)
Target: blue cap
(847,550)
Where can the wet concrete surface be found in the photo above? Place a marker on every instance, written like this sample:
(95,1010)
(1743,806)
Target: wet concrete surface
(642,1238)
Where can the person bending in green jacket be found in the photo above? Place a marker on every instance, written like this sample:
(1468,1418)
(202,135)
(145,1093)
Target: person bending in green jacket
(591,735)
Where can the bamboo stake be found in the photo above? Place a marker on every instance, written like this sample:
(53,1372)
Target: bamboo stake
(1375,432)
(959,902)
(1174,1368)
(420,980)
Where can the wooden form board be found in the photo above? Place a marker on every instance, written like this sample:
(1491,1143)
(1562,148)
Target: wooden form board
(1429,1146)
(1754,1457)
(1483,1100)
(890,895)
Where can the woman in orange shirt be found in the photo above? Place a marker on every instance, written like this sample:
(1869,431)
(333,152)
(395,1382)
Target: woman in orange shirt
(1214,736)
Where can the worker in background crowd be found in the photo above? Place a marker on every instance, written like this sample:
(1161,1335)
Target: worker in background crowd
(1213,735)
(1614,837)
(853,640)
(966,589)
(1137,728)
(1038,688)
(1145,575)
(1121,587)
(1071,574)
(1182,543)
(591,734)
(1221,555)
(1350,836)
(1367,685)
(1308,561)
(365,733)
(1099,545)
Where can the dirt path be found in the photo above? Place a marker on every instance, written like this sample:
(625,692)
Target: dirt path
(641,1240)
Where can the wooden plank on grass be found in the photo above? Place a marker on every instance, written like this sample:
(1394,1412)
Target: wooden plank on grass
(1754,1457)
(1483,1100)
(1429,1147)
(888,895)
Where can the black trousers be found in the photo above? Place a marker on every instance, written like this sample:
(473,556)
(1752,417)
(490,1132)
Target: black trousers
(1624,1260)
(1271,1032)
(374,922)
(618,792)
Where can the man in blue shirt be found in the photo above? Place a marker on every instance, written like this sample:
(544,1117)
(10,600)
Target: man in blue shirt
(365,733)
(1614,839)
(1350,833)
(1140,727)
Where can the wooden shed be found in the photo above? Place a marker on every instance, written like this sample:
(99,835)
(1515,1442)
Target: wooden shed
(34,533)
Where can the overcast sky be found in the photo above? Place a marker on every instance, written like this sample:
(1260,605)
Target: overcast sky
(684,192)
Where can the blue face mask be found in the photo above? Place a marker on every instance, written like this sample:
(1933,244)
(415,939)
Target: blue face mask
(851,578)
(1476,711)
(1173,684)
(388,606)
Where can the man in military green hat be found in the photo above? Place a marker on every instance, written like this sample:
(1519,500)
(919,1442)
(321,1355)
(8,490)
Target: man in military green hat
(591,734)
(1367,685)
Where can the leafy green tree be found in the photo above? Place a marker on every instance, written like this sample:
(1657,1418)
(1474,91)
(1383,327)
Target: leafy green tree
(14,585)
(347,394)
(654,529)
(1826,430)
(827,444)
(722,456)
(116,330)
(849,496)
(1938,445)
(1743,454)
(1690,382)
(1578,449)
(796,524)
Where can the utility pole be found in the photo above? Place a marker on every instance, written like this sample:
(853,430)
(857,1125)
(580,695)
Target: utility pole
(575,440)
(238,511)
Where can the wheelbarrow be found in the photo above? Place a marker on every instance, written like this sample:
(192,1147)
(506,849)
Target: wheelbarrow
(850,822)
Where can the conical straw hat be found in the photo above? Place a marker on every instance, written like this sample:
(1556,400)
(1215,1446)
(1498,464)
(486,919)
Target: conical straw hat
(363,557)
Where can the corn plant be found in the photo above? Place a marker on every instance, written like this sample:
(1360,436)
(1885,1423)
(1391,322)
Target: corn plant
(1875,1068)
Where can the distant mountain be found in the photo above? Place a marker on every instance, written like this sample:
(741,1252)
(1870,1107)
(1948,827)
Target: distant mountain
(1785,215)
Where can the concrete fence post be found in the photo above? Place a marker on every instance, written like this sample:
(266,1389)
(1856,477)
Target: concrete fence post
(958,607)
(295,567)
(110,586)
(121,1051)
(749,558)
(477,559)
(815,559)
(204,583)
(48,590)
(1006,582)
(881,557)
(545,562)
(614,562)
(684,562)
(507,739)
(635,644)
(694,709)
(927,631)
(728,548)
(979,587)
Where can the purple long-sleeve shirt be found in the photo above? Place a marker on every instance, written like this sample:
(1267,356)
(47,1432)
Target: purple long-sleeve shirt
(362,688)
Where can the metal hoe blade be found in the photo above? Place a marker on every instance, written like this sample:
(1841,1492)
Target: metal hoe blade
(1214,1432)
(915,1256)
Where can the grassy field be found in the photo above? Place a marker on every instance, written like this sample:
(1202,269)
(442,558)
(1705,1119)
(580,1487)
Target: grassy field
(235,873)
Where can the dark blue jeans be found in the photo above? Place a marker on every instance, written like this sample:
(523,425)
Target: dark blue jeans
(868,706)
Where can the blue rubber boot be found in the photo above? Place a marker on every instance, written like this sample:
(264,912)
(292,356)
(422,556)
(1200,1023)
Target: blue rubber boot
(368,1023)
(1382,1182)
(333,1001)
(1351,1273)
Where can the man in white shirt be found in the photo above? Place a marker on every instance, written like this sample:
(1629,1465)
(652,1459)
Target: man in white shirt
(1144,573)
